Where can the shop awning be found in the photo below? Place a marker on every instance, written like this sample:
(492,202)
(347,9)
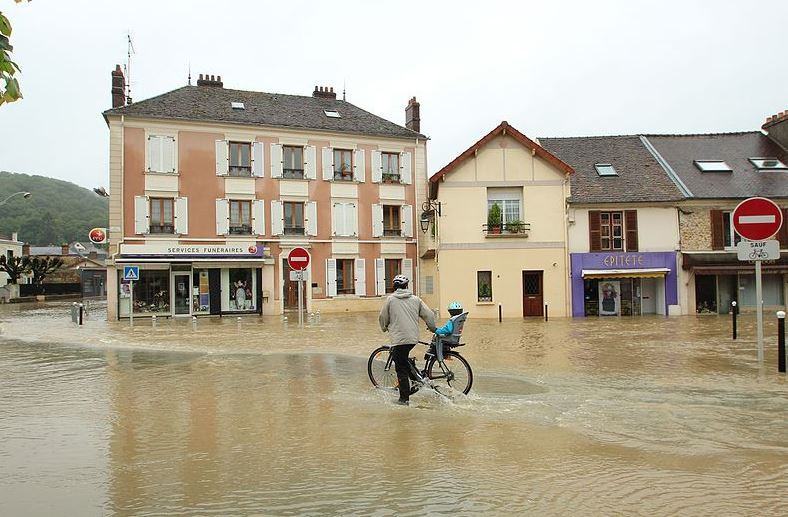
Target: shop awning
(656,272)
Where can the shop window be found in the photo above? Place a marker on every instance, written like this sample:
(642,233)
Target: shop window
(292,162)
(484,286)
(345,278)
(393,268)
(151,292)
(240,159)
(240,217)
(201,295)
(162,215)
(343,164)
(241,290)
(392,226)
(293,217)
(390,165)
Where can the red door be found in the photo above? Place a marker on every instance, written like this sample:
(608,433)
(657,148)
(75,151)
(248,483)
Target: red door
(532,294)
(290,294)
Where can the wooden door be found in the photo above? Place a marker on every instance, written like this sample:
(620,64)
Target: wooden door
(290,293)
(532,294)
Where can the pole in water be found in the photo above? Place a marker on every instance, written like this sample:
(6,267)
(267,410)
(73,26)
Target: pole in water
(734,310)
(81,310)
(545,312)
(500,313)
(131,303)
(300,304)
(781,341)
(759,307)
(153,320)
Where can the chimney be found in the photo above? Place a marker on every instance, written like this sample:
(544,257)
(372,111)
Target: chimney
(25,250)
(324,92)
(210,80)
(118,88)
(776,127)
(64,250)
(14,236)
(412,116)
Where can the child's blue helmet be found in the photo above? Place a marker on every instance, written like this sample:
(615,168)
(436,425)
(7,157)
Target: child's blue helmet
(455,308)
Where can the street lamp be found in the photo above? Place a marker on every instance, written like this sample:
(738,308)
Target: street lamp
(428,210)
(25,195)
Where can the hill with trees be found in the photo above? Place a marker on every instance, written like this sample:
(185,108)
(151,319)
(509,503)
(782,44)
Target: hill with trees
(57,212)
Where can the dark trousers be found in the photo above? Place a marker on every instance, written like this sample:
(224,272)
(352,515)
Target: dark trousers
(399,354)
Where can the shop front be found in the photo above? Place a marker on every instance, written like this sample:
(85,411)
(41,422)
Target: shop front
(194,280)
(624,284)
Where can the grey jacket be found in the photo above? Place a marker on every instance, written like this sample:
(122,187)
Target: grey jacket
(400,317)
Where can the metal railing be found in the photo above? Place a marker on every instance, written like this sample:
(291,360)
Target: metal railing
(240,229)
(506,229)
(294,230)
(293,174)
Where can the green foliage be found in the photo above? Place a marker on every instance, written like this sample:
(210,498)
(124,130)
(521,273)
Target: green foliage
(14,267)
(41,267)
(494,215)
(9,85)
(58,211)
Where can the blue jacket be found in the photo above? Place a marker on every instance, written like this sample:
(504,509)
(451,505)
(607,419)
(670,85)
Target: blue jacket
(447,329)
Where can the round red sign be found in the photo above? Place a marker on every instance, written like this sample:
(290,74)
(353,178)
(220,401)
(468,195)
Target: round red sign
(298,259)
(757,218)
(98,235)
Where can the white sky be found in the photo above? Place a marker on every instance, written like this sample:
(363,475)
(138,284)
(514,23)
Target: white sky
(550,68)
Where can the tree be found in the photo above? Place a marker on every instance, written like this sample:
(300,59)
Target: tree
(14,267)
(41,267)
(9,86)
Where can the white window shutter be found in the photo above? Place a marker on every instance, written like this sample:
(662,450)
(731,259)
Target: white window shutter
(328,163)
(222,217)
(276,160)
(157,152)
(310,162)
(222,157)
(361,277)
(258,217)
(407,270)
(351,220)
(331,277)
(182,215)
(167,154)
(377,220)
(406,173)
(406,217)
(277,218)
(359,166)
(148,153)
(310,212)
(258,159)
(380,276)
(377,167)
(337,219)
(141,217)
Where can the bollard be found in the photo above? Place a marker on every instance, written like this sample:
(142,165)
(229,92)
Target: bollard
(545,312)
(500,313)
(734,310)
(153,320)
(81,312)
(781,341)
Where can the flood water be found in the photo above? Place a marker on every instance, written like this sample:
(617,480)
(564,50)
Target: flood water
(646,416)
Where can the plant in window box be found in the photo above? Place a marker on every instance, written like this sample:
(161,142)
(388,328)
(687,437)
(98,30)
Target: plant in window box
(389,177)
(515,226)
(485,293)
(494,219)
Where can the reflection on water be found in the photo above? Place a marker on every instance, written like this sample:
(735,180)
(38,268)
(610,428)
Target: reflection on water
(637,416)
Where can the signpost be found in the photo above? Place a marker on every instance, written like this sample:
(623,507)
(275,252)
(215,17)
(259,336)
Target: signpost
(130,274)
(298,260)
(757,219)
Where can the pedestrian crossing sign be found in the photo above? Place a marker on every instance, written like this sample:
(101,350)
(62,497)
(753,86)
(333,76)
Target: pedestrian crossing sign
(131,272)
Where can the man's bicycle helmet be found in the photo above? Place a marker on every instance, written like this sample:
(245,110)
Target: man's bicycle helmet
(400,282)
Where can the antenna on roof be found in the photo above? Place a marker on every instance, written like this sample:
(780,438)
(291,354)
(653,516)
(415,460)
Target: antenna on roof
(343,89)
(129,52)
(190,74)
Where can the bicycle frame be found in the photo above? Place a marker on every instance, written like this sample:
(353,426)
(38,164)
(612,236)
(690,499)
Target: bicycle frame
(446,372)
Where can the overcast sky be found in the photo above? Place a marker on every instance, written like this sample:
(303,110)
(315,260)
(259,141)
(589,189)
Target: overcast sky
(550,68)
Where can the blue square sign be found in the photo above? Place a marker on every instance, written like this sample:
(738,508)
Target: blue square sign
(131,272)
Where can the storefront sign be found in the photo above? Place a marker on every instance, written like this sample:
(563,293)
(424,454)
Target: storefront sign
(192,250)
(622,260)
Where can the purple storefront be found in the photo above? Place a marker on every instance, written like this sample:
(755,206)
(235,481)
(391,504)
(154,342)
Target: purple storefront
(624,284)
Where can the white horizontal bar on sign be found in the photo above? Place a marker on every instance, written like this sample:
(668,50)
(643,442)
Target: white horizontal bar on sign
(756,219)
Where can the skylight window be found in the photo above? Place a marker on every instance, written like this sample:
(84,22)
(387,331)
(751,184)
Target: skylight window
(605,169)
(237,105)
(712,166)
(766,164)
(332,113)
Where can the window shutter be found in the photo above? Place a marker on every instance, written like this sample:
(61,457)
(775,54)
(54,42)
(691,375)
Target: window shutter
(168,154)
(782,235)
(258,159)
(337,219)
(406,173)
(222,157)
(328,163)
(407,270)
(182,215)
(276,161)
(258,217)
(380,276)
(310,162)
(594,232)
(717,230)
(277,218)
(222,217)
(406,217)
(331,277)
(311,218)
(359,166)
(377,220)
(148,152)
(155,153)
(361,277)
(631,227)
(141,216)
(351,226)
(377,167)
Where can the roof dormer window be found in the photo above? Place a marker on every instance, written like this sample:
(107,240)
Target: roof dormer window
(768,164)
(712,166)
(237,105)
(332,114)
(605,169)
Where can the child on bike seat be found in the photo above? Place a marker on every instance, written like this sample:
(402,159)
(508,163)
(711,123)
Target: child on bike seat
(455,309)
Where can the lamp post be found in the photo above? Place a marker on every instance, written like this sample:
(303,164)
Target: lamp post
(24,194)
(428,211)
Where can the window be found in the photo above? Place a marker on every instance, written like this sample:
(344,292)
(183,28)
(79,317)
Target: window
(712,166)
(509,200)
(240,217)
(240,159)
(729,236)
(611,230)
(343,164)
(10,254)
(390,164)
(764,164)
(332,114)
(484,286)
(162,218)
(293,218)
(237,105)
(393,268)
(161,154)
(392,226)
(345,278)
(605,169)
(292,162)
(201,292)
(151,291)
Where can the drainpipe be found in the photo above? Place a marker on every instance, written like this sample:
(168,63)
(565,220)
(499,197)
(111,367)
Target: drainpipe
(567,279)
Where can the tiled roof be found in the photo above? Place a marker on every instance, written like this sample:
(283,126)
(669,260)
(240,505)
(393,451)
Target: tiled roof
(640,177)
(213,104)
(735,149)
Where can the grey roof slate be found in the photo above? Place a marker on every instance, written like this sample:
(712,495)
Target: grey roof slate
(640,177)
(734,148)
(212,104)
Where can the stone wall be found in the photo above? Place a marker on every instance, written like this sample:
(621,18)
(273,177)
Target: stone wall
(695,229)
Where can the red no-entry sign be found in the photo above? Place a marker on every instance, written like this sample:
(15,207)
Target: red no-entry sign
(298,259)
(757,218)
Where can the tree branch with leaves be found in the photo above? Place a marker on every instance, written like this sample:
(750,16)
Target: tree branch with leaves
(9,85)
(14,267)
(41,267)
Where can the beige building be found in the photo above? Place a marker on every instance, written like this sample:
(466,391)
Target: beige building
(498,239)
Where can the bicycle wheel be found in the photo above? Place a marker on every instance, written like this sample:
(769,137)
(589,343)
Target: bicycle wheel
(459,377)
(380,368)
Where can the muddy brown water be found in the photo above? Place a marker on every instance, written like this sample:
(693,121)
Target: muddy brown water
(646,416)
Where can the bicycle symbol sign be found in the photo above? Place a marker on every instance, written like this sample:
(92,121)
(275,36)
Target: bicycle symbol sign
(758,250)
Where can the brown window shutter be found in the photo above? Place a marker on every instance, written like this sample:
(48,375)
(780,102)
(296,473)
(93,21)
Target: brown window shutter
(631,227)
(782,235)
(594,233)
(717,230)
